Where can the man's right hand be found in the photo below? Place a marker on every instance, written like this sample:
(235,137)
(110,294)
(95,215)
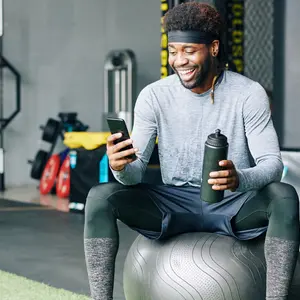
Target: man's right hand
(119,159)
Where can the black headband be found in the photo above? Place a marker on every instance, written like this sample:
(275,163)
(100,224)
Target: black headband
(189,36)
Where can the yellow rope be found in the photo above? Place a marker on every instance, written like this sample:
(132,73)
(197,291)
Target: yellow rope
(212,93)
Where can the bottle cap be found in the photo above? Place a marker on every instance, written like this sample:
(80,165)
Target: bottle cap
(217,139)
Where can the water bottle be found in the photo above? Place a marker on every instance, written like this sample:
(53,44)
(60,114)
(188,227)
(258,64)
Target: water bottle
(216,149)
(73,159)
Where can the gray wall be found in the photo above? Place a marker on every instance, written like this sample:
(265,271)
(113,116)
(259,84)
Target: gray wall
(59,46)
(292,75)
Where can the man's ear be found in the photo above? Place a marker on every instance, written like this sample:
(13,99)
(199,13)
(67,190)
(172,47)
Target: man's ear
(214,48)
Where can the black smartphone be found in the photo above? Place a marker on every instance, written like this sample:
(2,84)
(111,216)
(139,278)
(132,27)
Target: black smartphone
(117,125)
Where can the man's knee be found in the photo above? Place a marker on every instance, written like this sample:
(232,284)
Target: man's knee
(97,199)
(284,202)
(281,190)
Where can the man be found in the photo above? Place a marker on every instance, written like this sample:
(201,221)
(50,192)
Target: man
(182,110)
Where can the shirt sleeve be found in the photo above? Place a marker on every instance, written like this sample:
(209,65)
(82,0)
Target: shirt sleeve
(144,134)
(262,142)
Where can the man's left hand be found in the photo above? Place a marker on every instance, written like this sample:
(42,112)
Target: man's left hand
(226,179)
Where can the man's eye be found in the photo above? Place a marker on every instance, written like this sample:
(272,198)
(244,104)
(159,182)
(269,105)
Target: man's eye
(172,53)
(189,52)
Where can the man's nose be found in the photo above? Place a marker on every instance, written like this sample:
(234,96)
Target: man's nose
(180,60)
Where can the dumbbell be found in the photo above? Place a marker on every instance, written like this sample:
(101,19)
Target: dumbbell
(38,164)
(51,130)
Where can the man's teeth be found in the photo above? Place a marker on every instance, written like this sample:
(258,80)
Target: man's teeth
(186,71)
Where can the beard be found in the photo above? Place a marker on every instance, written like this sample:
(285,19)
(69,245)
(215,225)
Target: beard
(200,76)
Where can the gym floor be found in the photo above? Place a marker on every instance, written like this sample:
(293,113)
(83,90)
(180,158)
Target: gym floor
(43,242)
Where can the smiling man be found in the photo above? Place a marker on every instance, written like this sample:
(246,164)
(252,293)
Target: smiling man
(182,110)
(194,71)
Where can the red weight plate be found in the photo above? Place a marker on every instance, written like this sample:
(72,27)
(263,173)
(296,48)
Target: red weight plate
(49,174)
(63,179)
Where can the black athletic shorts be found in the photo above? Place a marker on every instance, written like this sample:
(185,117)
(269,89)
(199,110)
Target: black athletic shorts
(183,211)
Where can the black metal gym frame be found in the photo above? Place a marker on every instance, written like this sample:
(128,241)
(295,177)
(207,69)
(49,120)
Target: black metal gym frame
(232,12)
(277,102)
(5,121)
(1,103)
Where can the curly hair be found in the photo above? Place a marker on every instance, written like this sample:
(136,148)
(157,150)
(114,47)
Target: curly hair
(194,16)
(197,17)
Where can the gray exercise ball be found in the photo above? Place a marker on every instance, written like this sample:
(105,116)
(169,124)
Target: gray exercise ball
(197,266)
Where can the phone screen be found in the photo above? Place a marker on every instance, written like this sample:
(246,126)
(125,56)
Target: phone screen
(117,125)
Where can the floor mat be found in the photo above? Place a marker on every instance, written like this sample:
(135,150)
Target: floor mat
(13,287)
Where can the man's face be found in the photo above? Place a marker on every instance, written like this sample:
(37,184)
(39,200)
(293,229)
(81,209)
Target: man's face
(191,62)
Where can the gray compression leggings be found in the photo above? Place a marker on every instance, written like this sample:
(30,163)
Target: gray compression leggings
(276,205)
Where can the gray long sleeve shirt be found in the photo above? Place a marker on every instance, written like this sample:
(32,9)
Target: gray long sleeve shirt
(182,120)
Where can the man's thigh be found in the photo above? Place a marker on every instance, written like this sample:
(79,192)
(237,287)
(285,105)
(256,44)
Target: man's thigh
(252,219)
(253,214)
(268,208)
(135,207)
